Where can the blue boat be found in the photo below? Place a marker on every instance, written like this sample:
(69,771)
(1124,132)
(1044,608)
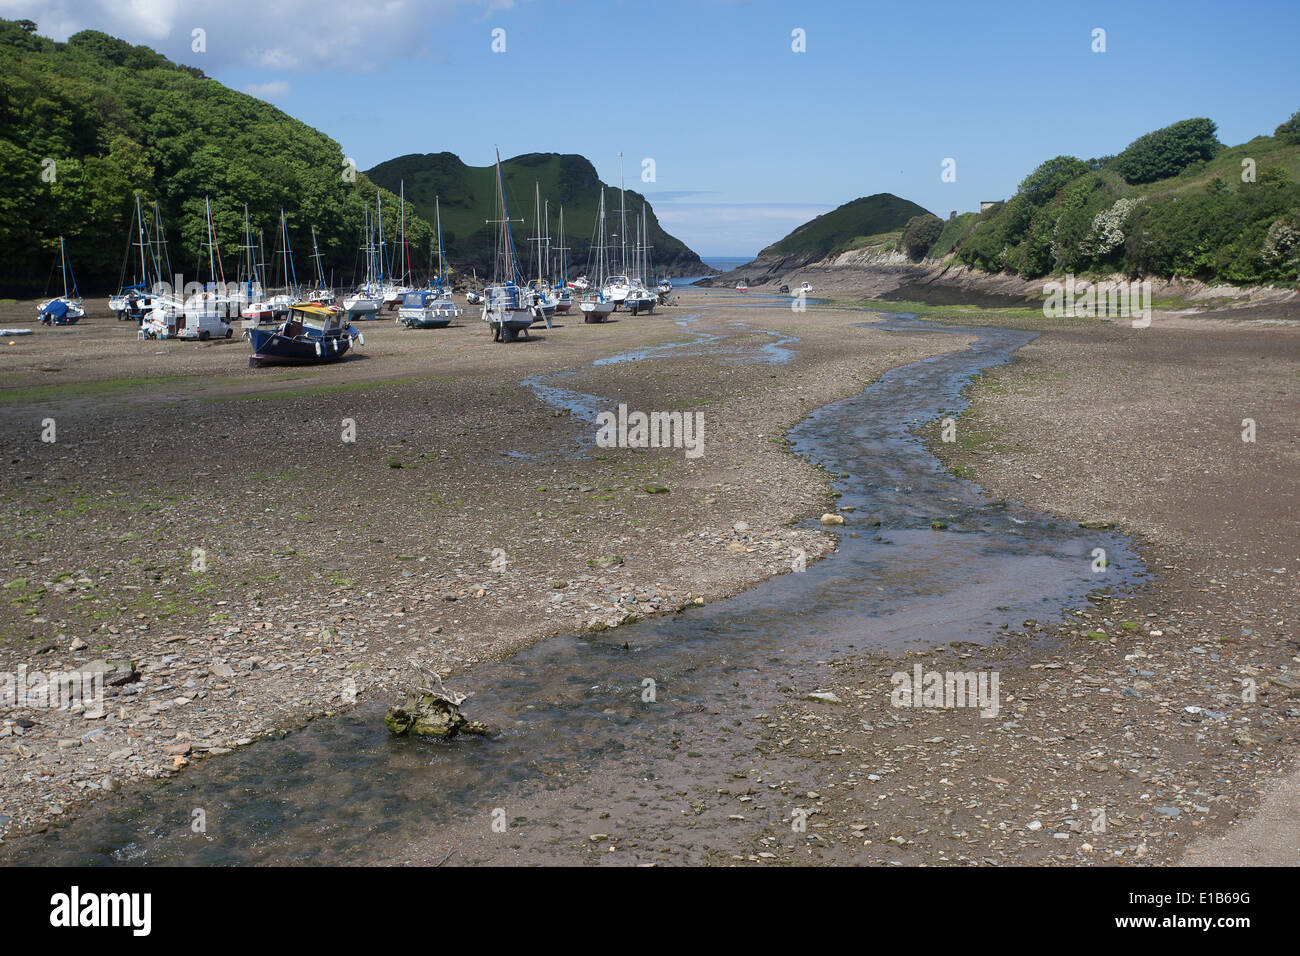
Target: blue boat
(311,335)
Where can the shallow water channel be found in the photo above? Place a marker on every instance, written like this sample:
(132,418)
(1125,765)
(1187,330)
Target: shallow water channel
(579,751)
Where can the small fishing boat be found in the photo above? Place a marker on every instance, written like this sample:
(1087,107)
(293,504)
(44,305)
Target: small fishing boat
(427,309)
(66,309)
(582,284)
(741,286)
(311,335)
(563,300)
(474,298)
(806,289)
(664,287)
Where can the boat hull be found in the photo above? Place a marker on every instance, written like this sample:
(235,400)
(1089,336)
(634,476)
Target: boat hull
(426,321)
(272,348)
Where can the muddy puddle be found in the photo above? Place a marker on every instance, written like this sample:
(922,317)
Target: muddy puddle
(624,738)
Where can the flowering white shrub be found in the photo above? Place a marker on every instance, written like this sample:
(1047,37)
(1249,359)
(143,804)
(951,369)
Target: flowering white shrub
(1107,227)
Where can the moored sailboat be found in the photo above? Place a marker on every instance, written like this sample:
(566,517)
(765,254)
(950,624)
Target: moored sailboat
(505,305)
(65,309)
(595,307)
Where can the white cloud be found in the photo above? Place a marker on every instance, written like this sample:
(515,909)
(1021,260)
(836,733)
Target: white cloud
(276,89)
(279,35)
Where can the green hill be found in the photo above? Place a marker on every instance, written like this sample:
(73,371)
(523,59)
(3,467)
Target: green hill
(86,124)
(1175,203)
(846,227)
(467,197)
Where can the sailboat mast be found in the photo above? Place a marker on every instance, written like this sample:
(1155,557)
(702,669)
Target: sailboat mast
(212,261)
(564,252)
(442,262)
(379,255)
(406,252)
(139,218)
(315,250)
(622,203)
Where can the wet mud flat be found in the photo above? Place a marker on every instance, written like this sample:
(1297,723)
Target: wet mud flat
(661,741)
(469,518)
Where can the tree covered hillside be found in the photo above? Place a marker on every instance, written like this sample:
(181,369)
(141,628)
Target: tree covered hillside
(1175,203)
(467,198)
(86,124)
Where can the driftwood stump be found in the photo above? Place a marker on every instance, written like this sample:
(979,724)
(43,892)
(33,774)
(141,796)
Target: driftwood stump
(431,711)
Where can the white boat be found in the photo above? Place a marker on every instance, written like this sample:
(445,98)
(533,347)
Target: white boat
(505,307)
(741,287)
(595,306)
(427,309)
(365,301)
(582,284)
(474,298)
(640,299)
(259,312)
(65,309)
(206,314)
(616,289)
(806,289)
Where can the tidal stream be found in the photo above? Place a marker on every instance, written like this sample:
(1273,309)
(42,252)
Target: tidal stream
(579,749)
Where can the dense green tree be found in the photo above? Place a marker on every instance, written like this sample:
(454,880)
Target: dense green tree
(1168,151)
(87,124)
(920,233)
(1289,132)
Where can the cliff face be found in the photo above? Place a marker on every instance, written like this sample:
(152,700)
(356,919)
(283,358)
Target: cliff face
(881,274)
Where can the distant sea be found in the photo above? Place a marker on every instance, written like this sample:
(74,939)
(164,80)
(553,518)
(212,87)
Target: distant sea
(726,263)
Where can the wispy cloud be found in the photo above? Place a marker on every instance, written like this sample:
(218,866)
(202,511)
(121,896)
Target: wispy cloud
(276,89)
(284,35)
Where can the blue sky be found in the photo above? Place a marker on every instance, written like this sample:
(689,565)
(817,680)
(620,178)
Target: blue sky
(748,137)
